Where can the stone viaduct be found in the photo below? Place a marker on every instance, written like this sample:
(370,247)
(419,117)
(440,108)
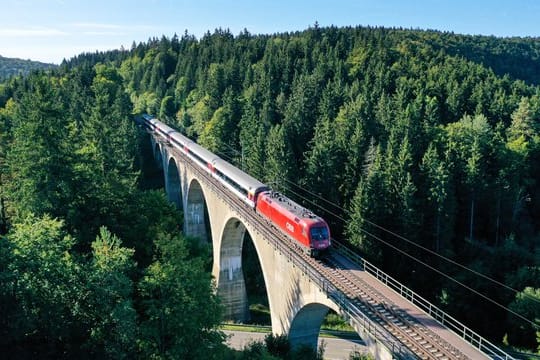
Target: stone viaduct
(298,298)
(297,305)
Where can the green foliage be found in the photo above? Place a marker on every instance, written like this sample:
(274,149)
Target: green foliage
(256,351)
(71,153)
(306,352)
(277,345)
(40,154)
(333,321)
(527,304)
(439,195)
(56,302)
(279,157)
(220,133)
(168,108)
(181,312)
(523,121)
(365,207)
(112,316)
(6,115)
(356,355)
(199,114)
(40,284)
(104,173)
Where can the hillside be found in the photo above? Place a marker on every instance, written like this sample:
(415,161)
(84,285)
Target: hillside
(13,66)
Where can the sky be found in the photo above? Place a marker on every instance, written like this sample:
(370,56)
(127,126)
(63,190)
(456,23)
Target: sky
(51,30)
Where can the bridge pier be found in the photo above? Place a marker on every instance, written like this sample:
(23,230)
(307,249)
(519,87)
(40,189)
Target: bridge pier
(232,286)
(195,214)
(173,185)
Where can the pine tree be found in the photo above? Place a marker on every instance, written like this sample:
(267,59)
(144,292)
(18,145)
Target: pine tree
(252,138)
(279,162)
(367,208)
(438,193)
(6,115)
(41,154)
(105,171)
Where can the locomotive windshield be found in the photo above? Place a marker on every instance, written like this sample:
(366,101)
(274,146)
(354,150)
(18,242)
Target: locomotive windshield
(319,233)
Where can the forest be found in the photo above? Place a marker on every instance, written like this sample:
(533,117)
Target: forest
(413,145)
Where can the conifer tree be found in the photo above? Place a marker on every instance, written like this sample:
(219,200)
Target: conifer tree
(40,156)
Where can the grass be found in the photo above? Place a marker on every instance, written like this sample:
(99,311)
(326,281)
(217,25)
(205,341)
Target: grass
(268,329)
(334,322)
(247,328)
(259,314)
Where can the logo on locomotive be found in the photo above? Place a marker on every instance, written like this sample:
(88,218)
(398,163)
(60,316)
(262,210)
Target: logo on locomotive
(289,227)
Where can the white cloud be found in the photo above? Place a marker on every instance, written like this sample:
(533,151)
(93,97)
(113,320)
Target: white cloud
(90,25)
(100,29)
(104,33)
(54,53)
(31,32)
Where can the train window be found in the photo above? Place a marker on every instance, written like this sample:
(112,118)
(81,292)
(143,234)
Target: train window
(197,157)
(232,183)
(319,233)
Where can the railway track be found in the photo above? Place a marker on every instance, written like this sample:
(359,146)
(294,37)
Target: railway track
(404,329)
(415,336)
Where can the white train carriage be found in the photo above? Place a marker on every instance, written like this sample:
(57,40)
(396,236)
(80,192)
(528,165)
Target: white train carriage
(243,185)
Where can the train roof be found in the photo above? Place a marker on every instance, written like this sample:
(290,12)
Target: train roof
(179,137)
(203,153)
(163,127)
(294,208)
(238,176)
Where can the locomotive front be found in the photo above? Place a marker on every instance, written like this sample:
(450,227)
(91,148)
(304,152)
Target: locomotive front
(319,236)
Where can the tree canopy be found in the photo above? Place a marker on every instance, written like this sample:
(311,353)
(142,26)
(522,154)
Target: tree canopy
(430,135)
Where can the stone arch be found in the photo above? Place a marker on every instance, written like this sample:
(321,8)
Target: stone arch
(231,283)
(173,185)
(306,325)
(196,214)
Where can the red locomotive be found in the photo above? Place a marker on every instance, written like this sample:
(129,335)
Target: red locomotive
(301,224)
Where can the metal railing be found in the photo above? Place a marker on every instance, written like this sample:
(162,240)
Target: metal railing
(471,337)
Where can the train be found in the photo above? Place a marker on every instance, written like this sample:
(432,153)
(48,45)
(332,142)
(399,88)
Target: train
(308,230)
